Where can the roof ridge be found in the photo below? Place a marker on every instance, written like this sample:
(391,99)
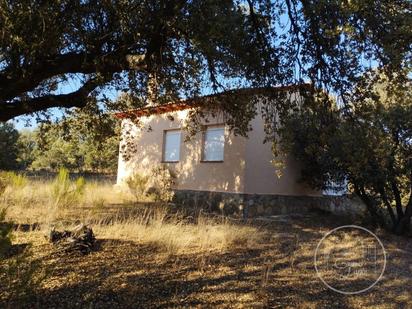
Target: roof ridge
(196,101)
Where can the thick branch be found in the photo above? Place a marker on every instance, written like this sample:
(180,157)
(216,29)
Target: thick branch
(14,84)
(256,23)
(74,99)
(18,82)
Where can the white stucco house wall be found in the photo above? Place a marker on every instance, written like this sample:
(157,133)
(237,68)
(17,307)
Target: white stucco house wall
(213,162)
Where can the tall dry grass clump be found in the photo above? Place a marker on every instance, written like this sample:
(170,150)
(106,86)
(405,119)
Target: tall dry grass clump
(114,214)
(66,192)
(26,201)
(176,235)
(51,201)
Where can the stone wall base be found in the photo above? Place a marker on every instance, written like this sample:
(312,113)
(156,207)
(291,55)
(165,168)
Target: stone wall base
(255,205)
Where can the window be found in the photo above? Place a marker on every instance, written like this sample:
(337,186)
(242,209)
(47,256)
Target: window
(213,144)
(336,188)
(171,146)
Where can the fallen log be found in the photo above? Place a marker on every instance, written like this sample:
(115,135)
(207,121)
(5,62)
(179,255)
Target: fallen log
(79,239)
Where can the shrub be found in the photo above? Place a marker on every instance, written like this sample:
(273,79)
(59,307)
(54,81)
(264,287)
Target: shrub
(138,184)
(3,184)
(157,185)
(65,191)
(5,233)
(14,180)
(5,228)
(163,180)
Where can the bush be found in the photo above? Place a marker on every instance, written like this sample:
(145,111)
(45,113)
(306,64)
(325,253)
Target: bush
(3,184)
(163,180)
(14,180)
(157,185)
(138,184)
(65,191)
(5,234)
(5,228)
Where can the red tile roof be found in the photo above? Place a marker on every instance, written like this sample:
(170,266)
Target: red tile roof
(201,101)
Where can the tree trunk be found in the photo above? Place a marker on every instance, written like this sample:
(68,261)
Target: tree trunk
(389,208)
(371,206)
(398,200)
(404,225)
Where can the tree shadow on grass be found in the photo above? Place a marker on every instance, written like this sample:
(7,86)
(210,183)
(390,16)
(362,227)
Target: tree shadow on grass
(15,250)
(278,272)
(24,227)
(126,274)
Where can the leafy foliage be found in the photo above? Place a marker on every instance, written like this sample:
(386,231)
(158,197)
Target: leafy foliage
(162,182)
(8,146)
(368,143)
(130,45)
(164,50)
(26,145)
(79,142)
(138,185)
(16,148)
(157,185)
(5,233)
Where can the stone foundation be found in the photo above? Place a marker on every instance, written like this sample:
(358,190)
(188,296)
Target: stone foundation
(255,205)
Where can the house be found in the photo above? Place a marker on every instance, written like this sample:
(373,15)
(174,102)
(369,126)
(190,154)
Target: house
(214,168)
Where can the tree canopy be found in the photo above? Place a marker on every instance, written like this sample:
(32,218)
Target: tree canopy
(69,53)
(83,141)
(367,143)
(8,146)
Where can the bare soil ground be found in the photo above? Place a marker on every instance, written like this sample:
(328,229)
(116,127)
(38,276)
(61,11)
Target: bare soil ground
(276,272)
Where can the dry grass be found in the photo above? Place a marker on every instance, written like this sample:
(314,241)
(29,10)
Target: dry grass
(150,257)
(115,214)
(33,202)
(177,237)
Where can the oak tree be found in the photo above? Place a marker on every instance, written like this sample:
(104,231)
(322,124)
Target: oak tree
(67,53)
(367,142)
